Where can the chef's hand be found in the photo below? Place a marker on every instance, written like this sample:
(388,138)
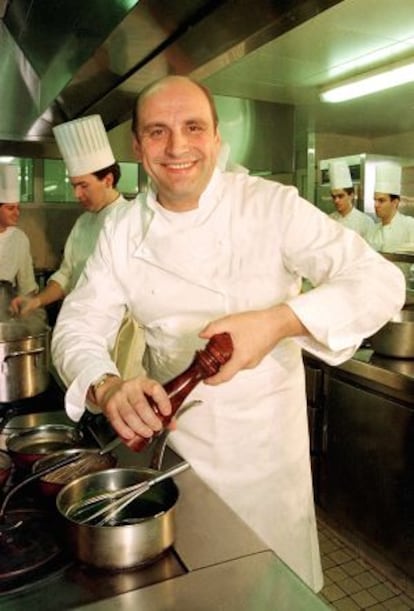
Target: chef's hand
(125,404)
(22,306)
(254,334)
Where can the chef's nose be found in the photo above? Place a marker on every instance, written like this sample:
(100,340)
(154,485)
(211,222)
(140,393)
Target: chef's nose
(78,191)
(177,142)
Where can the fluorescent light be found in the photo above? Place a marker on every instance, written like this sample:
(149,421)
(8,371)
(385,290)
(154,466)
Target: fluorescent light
(392,76)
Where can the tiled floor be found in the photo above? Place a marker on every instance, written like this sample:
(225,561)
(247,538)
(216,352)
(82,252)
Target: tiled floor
(353,580)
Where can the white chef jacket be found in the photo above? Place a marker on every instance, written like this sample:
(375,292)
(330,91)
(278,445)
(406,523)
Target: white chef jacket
(395,235)
(16,263)
(356,220)
(80,244)
(245,247)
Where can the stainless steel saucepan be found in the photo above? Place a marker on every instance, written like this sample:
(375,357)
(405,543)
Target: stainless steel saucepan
(143,531)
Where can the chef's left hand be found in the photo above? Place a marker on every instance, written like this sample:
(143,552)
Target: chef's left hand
(254,334)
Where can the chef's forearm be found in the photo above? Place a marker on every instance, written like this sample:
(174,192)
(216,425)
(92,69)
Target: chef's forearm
(285,322)
(51,293)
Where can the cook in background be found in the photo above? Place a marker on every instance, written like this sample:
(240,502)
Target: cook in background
(394,230)
(206,252)
(94,175)
(16,265)
(343,195)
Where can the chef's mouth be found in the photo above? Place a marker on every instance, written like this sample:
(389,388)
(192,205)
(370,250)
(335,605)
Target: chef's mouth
(179,166)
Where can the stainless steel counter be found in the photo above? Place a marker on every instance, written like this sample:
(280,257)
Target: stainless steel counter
(227,566)
(364,464)
(395,376)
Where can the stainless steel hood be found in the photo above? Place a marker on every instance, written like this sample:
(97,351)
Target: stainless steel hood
(61,59)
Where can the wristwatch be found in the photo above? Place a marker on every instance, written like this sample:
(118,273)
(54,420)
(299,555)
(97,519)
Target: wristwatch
(98,383)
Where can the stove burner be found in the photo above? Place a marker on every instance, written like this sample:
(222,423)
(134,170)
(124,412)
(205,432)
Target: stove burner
(30,545)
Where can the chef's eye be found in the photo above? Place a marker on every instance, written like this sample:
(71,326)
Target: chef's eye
(156,132)
(195,128)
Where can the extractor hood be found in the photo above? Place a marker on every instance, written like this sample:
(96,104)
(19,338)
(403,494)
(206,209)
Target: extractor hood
(61,59)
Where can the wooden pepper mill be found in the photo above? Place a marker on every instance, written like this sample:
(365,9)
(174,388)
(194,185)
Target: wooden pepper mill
(206,363)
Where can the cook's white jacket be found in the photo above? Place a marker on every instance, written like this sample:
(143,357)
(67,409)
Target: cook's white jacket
(80,244)
(245,247)
(16,264)
(356,220)
(397,234)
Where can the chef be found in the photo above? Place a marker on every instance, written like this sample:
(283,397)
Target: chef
(343,194)
(394,230)
(207,252)
(94,175)
(16,265)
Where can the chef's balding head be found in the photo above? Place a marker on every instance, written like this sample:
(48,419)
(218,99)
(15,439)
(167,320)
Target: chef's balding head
(163,82)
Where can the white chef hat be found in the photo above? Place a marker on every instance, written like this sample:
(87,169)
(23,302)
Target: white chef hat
(388,178)
(9,183)
(84,145)
(339,175)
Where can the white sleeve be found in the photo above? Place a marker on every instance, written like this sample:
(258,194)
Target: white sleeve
(25,279)
(80,361)
(64,275)
(356,290)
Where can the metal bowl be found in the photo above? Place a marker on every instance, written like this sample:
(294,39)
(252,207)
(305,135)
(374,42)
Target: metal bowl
(396,337)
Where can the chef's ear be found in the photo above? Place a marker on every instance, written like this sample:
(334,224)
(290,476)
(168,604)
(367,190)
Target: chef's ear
(136,147)
(218,140)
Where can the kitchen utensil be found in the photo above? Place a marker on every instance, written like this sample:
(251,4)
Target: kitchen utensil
(24,358)
(206,362)
(144,530)
(26,447)
(110,504)
(396,337)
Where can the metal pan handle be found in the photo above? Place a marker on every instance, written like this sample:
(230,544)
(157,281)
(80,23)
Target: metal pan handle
(12,355)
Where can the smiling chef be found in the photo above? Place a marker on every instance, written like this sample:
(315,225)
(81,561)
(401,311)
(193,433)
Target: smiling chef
(207,252)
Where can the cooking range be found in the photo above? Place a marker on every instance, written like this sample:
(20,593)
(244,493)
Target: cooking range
(33,551)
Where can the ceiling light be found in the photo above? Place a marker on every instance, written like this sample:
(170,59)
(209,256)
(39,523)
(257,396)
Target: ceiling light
(365,84)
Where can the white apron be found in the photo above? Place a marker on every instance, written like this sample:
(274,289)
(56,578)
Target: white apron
(248,439)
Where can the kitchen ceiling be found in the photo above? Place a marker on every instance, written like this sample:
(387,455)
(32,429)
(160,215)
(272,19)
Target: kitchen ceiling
(351,37)
(67,58)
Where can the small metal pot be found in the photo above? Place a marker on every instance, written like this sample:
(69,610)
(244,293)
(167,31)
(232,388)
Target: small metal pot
(396,337)
(52,483)
(145,528)
(29,446)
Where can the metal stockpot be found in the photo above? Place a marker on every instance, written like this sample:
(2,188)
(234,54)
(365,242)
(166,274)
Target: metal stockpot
(144,530)
(24,358)
(396,337)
